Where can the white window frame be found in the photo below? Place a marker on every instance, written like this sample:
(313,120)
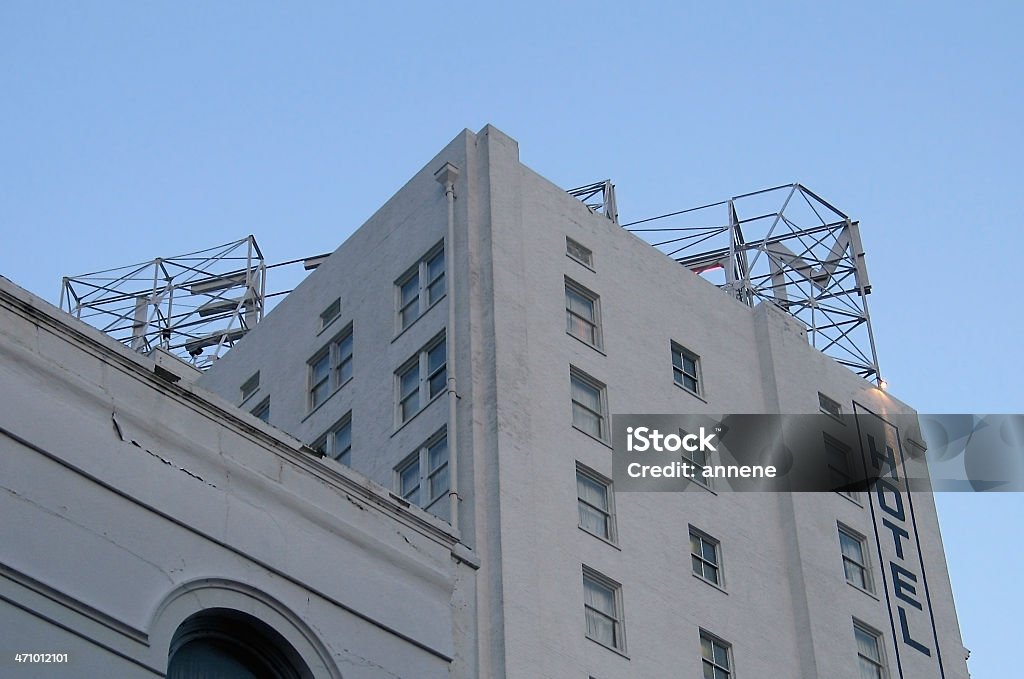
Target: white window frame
(429,289)
(583,505)
(718,670)
(327,443)
(575,374)
(429,383)
(427,496)
(583,255)
(572,318)
(877,663)
(679,373)
(698,558)
(340,367)
(615,616)
(863,566)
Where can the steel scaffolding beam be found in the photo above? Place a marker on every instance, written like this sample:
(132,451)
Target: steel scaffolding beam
(194,305)
(786,246)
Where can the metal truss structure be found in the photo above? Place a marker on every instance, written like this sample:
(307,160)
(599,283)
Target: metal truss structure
(599,198)
(787,246)
(194,305)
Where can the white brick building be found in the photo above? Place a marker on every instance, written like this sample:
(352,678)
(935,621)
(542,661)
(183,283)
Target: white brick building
(545,342)
(470,341)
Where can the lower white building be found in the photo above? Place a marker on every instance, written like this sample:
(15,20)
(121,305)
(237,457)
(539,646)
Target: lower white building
(150,529)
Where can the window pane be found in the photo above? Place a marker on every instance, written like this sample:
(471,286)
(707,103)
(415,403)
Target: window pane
(436,290)
(600,628)
(578,304)
(320,368)
(436,357)
(592,520)
(435,267)
(599,597)
(438,482)
(437,455)
(586,420)
(586,395)
(319,393)
(851,547)
(438,382)
(697,565)
(342,440)
(409,479)
(410,381)
(590,490)
(410,290)
(709,552)
(435,278)
(867,643)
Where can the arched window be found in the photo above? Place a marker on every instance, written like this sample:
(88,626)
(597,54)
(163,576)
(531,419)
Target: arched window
(224,644)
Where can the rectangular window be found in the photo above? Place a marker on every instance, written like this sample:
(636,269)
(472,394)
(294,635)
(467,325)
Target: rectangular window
(319,379)
(422,478)
(337,443)
(594,497)
(602,605)
(262,411)
(582,314)
(840,467)
(855,566)
(588,404)
(829,406)
(869,652)
(704,556)
(330,368)
(328,315)
(699,459)
(421,286)
(250,386)
(581,254)
(715,656)
(421,378)
(686,369)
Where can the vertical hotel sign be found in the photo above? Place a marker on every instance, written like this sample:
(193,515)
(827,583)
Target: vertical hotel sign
(899,548)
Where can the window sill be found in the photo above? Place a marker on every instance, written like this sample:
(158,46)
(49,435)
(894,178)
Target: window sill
(603,442)
(583,341)
(610,648)
(581,263)
(850,499)
(248,398)
(697,483)
(326,400)
(838,418)
(325,328)
(603,539)
(402,331)
(863,591)
(709,583)
(403,425)
(691,393)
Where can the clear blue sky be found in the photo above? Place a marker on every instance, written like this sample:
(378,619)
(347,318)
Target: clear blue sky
(132,130)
